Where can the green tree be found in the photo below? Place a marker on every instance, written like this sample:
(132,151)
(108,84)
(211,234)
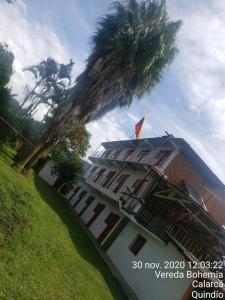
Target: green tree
(77,143)
(131,49)
(6,65)
(67,156)
(67,172)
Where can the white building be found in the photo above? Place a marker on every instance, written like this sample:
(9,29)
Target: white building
(132,204)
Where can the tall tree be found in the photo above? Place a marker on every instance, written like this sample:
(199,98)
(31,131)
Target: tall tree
(132,47)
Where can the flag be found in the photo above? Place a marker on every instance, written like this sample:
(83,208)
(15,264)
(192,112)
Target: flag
(138,128)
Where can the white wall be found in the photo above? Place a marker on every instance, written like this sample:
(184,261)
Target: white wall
(99,224)
(143,281)
(45,173)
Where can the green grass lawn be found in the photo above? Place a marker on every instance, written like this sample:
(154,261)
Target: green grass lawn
(44,253)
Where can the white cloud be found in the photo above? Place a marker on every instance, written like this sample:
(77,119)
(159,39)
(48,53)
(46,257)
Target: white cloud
(199,70)
(108,128)
(200,65)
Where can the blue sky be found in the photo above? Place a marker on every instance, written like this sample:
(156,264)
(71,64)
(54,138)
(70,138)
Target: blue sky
(190,100)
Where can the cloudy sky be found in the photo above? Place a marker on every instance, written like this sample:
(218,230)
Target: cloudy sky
(190,100)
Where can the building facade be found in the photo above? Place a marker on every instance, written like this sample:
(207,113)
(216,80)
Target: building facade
(150,204)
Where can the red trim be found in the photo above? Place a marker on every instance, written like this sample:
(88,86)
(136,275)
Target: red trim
(109,177)
(76,190)
(120,183)
(98,209)
(81,196)
(88,203)
(105,232)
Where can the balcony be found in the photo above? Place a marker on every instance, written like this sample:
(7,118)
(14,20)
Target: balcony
(155,224)
(182,237)
(136,160)
(186,240)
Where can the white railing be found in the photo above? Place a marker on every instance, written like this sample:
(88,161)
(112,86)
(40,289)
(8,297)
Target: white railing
(149,159)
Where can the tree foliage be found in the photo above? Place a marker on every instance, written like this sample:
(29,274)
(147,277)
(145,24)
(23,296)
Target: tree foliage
(6,65)
(132,47)
(67,155)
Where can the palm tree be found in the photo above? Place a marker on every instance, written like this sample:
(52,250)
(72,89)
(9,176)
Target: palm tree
(132,47)
(50,78)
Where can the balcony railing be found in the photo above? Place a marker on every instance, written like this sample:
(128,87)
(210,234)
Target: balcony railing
(149,159)
(178,234)
(157,225)
(187,240)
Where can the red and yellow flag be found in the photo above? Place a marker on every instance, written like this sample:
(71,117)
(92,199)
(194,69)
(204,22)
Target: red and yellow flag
(138,128)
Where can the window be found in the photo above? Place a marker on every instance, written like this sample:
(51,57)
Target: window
(142,153)
(162,156)
(92,172)
(100,173)
(116,154)
(111,218)
(97,211)
(88,202)
(81,195)
(106,153)
(99,207)
(108,177)
(137,244)
(120,181)
(128,153)
(136,184)
(139,185)
(74,192)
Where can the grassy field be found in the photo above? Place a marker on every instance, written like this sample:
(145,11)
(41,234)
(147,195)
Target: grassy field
(44,253)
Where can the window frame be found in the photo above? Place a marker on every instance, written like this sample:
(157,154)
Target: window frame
(137,244)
